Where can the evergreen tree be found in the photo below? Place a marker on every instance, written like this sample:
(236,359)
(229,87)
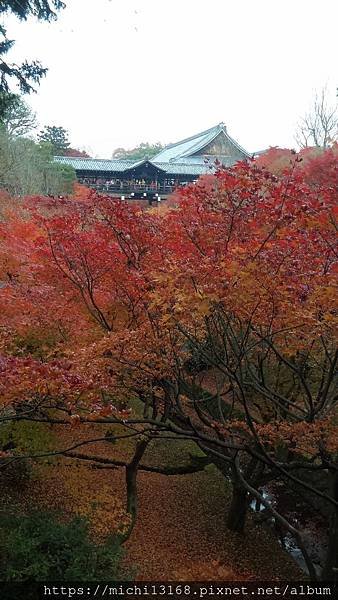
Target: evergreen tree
(26,74)
(17,117)
(57,137)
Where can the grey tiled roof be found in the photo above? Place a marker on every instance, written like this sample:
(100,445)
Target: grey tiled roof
(119,166)
(175,151)
(175,159)
(95,164)
(183,168)
(184,148)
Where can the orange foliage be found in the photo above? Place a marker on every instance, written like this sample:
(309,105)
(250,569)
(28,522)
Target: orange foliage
(124,291)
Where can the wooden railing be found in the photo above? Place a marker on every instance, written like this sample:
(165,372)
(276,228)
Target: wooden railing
(128,189)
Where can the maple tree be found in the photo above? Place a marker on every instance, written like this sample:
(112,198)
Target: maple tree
(219,315)
(318,167)
(74,152)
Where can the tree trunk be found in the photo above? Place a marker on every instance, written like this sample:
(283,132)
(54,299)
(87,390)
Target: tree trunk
(131,483)
(330,571)
(240,497)
(131,475)
(238,509)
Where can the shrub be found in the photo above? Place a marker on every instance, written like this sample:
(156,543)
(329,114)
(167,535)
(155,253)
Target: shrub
(41,547)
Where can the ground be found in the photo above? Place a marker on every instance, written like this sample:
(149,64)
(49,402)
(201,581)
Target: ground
(180,532)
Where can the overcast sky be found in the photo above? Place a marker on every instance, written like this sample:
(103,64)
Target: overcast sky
(126,71)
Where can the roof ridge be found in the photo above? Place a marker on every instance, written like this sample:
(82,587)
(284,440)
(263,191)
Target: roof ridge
(196,147)
(175,163)
(221,129)
(188,139)
(84,158)
(236,144)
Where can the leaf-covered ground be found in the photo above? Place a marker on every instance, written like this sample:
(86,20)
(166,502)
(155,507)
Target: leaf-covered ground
(180,532)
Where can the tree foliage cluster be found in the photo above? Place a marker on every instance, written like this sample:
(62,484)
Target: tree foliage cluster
(16,116)
(56,136)
(219,315)
(59,139)
(27,168)
(42,546)
(144,150)
(26,75)
(317,166)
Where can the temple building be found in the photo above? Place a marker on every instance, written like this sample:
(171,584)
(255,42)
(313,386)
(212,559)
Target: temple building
(175,165)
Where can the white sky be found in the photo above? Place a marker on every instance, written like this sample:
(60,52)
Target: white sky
(126,71)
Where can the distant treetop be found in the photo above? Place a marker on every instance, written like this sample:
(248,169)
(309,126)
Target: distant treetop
(319,127)
(144,150)
(75,153)
(57,136)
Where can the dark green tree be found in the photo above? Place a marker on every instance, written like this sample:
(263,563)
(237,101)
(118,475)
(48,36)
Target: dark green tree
(56,136)
(17,117)
(6,102)
(27,74)
(42,546)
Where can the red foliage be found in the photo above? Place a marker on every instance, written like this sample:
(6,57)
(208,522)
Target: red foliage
(276,160)
(321,168)
(101,302)
(75,153)
(317,167)
(120,290)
